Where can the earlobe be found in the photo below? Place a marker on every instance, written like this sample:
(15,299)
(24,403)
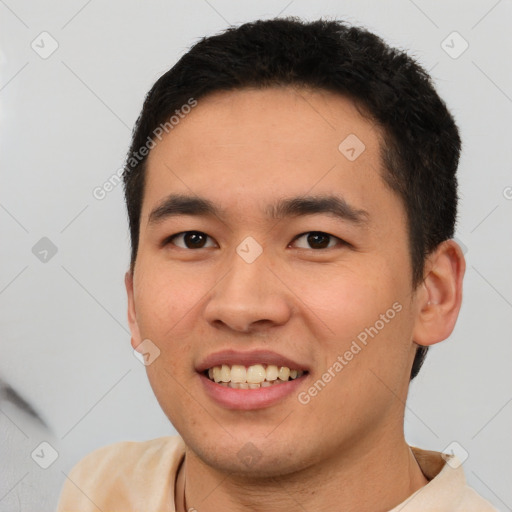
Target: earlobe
(441,296)
(132,316)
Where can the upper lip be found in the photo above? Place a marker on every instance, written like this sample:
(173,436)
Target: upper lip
(230,357)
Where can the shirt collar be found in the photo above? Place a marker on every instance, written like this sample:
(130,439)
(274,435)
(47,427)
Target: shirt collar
(446,485)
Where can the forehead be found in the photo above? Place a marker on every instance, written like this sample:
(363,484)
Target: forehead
(242,146)
(281,117)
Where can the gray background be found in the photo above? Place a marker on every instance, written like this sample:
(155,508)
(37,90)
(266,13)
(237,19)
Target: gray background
(65,127)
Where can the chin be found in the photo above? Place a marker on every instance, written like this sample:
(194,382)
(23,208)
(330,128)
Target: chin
(253,457)
(254,466)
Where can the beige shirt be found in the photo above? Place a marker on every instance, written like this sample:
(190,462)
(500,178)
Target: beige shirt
(140,477)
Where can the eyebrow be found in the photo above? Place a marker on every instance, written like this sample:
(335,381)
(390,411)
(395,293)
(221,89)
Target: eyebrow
(178,204)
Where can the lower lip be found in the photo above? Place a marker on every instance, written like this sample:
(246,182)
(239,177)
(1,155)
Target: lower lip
(247,399)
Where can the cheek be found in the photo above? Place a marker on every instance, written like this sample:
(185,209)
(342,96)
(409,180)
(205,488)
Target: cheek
(364,351)
(347,300)
(165,297)
(362,313)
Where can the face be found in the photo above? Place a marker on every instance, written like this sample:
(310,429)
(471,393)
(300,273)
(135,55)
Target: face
(269,242)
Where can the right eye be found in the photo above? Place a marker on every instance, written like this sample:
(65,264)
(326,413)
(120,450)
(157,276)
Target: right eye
(188,240)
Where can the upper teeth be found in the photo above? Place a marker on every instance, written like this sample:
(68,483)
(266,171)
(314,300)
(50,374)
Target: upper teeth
(254,374)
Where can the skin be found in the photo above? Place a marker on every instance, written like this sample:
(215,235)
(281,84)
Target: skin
(345,449)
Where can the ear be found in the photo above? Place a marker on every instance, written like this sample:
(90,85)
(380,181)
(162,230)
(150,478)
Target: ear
(440,295)
(132,316)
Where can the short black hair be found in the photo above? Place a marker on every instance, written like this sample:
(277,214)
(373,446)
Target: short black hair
(421,145)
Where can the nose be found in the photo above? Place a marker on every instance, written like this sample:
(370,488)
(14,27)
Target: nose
(249,298)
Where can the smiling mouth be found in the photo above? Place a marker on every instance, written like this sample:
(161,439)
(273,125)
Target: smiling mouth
(256,376)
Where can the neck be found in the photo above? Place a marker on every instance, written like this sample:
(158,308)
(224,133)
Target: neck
(366,480)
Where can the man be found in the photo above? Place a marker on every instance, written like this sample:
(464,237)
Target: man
(291,194)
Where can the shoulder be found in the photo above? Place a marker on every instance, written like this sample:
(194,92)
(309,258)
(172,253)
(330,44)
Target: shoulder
(120,475)
(472,502)
(138,454)
(447,488)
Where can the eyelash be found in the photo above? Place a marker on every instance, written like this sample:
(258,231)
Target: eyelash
(341,242)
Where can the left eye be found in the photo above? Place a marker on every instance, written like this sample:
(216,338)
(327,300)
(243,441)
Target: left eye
(190,240)
(317,240)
